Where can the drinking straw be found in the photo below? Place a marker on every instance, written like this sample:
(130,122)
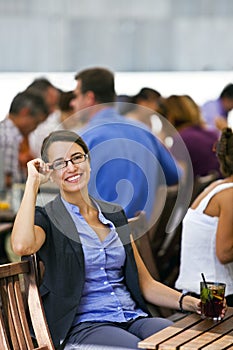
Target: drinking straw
(209,298)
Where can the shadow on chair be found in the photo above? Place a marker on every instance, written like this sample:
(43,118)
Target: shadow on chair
(201,182)
(21,308)
(140,233)
(165,244)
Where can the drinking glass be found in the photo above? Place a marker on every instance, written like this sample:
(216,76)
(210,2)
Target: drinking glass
(212,297)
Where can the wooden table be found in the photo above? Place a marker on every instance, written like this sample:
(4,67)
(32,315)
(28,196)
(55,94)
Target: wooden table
(192,332)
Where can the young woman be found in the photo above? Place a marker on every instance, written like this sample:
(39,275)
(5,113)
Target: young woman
(207,236)
(95,285)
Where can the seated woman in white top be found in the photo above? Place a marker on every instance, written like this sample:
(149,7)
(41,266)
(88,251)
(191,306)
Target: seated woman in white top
(207,236)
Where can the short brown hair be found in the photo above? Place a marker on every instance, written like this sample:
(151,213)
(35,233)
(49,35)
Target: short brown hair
(63,136)
(100,81)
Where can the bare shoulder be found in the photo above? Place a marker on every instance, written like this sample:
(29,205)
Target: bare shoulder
(205,192)
(226,196)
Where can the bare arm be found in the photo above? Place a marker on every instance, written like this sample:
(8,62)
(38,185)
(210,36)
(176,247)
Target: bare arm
(224,237)
(159,294)
(26,238)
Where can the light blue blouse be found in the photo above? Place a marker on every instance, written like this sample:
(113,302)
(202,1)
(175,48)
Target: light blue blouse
(105,296)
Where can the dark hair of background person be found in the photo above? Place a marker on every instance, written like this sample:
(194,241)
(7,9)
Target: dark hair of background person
(224,151)
(41,84)
(100,81)
(46,89)
(26,99)
(128,103)
(227,91)
(64,100)
(62,136)
(146,94)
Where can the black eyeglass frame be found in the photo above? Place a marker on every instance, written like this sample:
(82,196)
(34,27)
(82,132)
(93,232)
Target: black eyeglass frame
(75,159)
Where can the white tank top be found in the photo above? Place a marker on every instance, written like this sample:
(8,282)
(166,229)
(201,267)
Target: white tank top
(198,253)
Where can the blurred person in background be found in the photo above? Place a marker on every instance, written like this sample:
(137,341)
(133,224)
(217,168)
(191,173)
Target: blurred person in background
(144,105)
(130,161)
(67,117)
(27,111)
(51,95)
(207,235)
(184,114)
(215,112)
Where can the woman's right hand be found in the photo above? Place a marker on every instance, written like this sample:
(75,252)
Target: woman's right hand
(38,171)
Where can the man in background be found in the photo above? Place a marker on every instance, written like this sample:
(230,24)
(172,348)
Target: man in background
(27,111)
(215,112)
(128,161)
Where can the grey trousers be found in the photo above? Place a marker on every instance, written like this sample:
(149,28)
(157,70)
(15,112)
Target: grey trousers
(125,335)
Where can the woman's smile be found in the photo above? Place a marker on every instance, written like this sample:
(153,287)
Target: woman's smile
(74,178)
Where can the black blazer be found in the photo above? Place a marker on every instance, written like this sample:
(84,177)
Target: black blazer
(63,258)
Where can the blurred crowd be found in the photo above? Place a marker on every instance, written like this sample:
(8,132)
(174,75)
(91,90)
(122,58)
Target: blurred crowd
(43,108)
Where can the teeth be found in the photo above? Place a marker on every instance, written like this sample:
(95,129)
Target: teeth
(73,178)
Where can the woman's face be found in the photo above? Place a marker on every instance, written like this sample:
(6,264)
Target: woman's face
(73,177)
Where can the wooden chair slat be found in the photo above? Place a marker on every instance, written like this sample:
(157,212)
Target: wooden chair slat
(12,337)
(11,269)
(21,308)
(15,313)
(4,344)
(37,314)
(22,314)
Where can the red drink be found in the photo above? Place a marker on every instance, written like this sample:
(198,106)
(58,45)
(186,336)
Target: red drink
(212,297)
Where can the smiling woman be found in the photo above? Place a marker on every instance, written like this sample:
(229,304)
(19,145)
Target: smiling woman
(95,283)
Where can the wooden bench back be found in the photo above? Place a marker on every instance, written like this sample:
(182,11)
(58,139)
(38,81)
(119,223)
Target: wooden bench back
(21,308)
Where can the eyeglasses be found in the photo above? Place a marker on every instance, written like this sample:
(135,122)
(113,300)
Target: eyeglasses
(62,163)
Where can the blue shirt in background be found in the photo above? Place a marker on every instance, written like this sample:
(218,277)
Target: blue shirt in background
(211,110)
(128,162)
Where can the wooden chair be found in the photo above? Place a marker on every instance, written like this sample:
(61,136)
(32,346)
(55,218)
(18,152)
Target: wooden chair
(163,210)
(140,233)
(21,308)
(165,234)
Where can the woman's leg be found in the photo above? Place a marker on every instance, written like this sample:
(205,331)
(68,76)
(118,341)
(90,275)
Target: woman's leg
(102,334)
(145,327)
(109,334)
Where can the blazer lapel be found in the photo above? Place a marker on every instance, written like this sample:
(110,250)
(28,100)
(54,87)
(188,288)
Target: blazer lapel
(61,218)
